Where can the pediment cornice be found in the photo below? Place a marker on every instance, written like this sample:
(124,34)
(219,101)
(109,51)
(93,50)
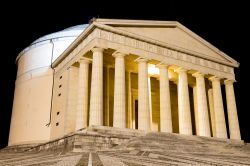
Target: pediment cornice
(231,62)
(154,23)
(99,35)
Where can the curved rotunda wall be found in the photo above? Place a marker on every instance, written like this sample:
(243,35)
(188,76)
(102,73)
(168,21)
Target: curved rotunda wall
(33,88)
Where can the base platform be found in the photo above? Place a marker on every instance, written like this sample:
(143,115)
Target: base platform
(99,145)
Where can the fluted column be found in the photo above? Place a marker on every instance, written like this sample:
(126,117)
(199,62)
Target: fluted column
(165,105)
(202,110)
(96,93)
(82,101)
(233,122)
(71,103)
(119,92)
(143,96)
(211,108)
(185,124)
(220,124)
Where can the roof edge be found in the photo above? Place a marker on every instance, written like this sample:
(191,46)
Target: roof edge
(166,23)
(135,22)
(113,29)
(104,24)
(206,43)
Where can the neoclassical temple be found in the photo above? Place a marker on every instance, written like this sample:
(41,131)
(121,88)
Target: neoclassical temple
(137,74)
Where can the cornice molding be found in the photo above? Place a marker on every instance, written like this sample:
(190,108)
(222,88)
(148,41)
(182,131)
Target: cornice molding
(95,24)
(173,47)
(157,23)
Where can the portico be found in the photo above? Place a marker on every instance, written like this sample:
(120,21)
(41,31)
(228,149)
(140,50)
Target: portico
(126,80)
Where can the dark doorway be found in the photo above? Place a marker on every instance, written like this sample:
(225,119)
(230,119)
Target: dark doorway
(136,114)
(191,99)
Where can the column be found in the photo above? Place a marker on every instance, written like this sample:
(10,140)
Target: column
(233,122)
(119,92)
(211,108)
(165,105)
(143,96)
(96,93)
(220,124)
(82,101)
(71,100)
(202,109)
(185,124)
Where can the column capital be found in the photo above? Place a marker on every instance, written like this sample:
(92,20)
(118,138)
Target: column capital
(84,60)
(72,67)
(214,78)
(117,54)
(198,74)
(229,82)
(180,70)
(162,65)
(140,59)
(97,49)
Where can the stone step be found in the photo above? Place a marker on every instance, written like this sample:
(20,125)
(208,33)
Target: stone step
(114,146)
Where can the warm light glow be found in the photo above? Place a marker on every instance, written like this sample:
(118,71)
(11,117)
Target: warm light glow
(152,70)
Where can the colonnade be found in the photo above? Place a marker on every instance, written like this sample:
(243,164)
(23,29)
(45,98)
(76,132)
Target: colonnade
(185,125)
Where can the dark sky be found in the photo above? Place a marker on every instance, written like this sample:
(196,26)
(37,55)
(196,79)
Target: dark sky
(224,25)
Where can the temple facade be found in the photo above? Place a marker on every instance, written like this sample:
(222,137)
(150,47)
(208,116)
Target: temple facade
(137,74)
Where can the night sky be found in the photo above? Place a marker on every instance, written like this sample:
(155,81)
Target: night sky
(223,25)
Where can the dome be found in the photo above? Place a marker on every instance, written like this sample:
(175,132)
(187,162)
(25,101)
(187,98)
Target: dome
(35,80)
(74,31)
(68,33)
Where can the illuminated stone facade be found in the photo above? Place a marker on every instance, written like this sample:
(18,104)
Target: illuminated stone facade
(146,75)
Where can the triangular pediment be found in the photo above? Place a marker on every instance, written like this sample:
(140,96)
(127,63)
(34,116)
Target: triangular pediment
(171,33)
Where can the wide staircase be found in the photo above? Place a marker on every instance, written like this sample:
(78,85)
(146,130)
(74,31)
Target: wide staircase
(111,146)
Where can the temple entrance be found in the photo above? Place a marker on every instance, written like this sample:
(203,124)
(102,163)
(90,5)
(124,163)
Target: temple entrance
(135,108)
(136,114)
